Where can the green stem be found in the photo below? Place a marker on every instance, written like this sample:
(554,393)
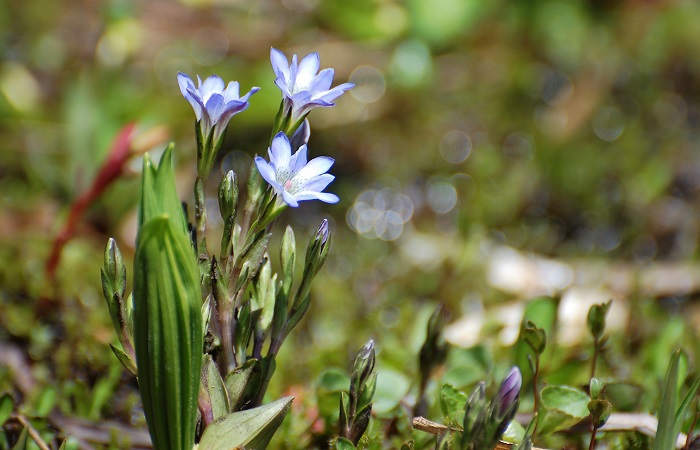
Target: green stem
(535,382)
(596,353)
(200,215)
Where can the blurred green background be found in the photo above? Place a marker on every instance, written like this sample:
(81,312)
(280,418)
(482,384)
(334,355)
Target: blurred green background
(491,151)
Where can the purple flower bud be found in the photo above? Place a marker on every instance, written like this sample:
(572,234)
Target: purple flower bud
(509,391)
(322,234)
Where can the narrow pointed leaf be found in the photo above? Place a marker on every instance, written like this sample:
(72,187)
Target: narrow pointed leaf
(123,358)
(252,428)
(243,383)
(212,382)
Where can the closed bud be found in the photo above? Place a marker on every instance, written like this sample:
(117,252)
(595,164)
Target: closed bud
(596,318)
(364,362)
(322,232)
(596,388)
(535,337)
(434,349)
(301,136)
(600,412)
(114,268)
(113,276)
(475,417)
(288,256)
(509,392)
(228,196)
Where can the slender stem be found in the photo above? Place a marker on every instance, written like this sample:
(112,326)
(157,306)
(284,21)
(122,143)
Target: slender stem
(591,445)
(258,342)
(33,433)
(596,353)
(200,215)
(535,382)
(226,327)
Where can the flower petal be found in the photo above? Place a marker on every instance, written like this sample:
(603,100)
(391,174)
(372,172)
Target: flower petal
(267,172)
(280,151)
(232,92)
(252,91)
(298,160)
(212,85)
(190,93)
(319,183)
(334,93)
(289,199)
(280,64)
(325,197)
(323,80)
(308,68)
(215,107)
(316,167)
(282,85)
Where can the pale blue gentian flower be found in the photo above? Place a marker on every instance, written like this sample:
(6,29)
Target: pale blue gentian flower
(213,104)
(292,177)
(303,86)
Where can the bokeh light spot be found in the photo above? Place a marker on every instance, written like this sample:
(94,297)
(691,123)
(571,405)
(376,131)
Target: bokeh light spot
(380,214)
(370,84)
(455,146)
(442,197)
(609,123)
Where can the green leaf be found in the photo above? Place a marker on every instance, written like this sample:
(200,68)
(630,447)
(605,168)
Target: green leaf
(242,383)
(252,428)
(45,402)
(560,408)
(212,382)
(685,404)
(123,358)
(6,407)
(514,433)
(666,432)
(328,387)
(168,335)
(391,388)
(343,444)
(452,404)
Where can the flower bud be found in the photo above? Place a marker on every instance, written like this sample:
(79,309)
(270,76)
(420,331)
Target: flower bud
(535,337)
(228,196)
(509,391)
(596,318)
(475,417)
(301,135)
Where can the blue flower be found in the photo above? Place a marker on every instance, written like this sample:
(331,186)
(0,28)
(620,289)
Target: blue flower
(303,86)
(213,105)
(292,177)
